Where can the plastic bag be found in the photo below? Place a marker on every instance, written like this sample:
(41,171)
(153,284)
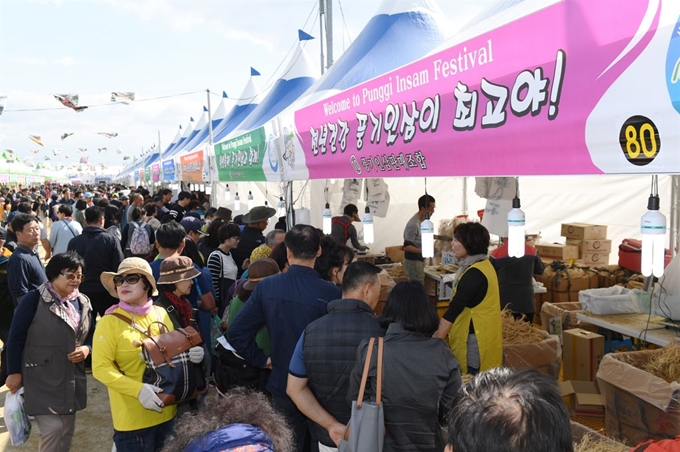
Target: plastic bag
(215,333)
(16,420)
(613,300)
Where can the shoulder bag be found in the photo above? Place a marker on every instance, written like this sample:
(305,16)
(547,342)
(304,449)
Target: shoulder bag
(167,361)
(365,431)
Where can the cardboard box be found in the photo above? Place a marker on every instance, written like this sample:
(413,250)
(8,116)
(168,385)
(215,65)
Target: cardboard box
(583,398)
(395,253)
(639,406)
(584,231)
(583,351)
(544,356)
(591,246)
(594,259)
(565,285)
(557,251)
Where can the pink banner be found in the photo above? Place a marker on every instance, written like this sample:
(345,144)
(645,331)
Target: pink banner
(156,172)
(515,100)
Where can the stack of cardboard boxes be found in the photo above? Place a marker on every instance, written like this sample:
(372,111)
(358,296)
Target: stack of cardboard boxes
(590,241)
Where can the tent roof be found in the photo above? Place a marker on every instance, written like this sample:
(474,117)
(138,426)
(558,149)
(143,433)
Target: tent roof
(299,74)
(246,103)
(399,33)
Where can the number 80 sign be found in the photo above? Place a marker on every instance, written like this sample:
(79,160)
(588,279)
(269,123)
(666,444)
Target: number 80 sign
(640,140)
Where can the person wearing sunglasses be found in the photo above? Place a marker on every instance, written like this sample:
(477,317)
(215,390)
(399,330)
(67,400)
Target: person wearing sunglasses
(48,341)
(139,416)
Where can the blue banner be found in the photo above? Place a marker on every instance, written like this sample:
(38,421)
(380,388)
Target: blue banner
(169,170)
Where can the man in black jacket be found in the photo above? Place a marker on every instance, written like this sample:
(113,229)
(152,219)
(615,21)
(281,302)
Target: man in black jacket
(256,221)
(102,253)
(319,371)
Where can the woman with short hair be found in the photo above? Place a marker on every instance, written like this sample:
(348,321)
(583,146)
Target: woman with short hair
(420,374)
(48,342)
(473,319)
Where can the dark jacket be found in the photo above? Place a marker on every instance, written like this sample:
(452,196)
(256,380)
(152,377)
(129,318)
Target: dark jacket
(251,238)
(420,380)
(285,303)
(515,278)
(54,385)
(330,348)
(101,252)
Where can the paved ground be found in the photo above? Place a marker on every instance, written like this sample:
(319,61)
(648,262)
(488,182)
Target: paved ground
(94,430)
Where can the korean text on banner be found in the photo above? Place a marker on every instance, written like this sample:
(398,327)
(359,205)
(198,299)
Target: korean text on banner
(241,158)
(192,167)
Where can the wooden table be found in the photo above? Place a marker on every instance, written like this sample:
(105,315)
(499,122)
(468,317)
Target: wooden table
(635,326)
(368,257)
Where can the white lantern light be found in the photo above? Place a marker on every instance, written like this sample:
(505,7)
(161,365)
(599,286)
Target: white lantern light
(202,188)
(208,190)
(653,228)
(332,181)
(367,221)
(227,193)
(282,207)
(516,224)
(427,237)
(237,202)
(251,200)
(327,219)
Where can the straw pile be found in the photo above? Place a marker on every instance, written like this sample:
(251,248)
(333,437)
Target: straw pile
(665,364)
(518,332)
(591,444)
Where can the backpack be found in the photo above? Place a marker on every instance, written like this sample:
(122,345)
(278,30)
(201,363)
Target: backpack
(139,243)
(345,227)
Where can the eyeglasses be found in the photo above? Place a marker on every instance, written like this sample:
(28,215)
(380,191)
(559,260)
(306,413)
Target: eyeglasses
(131,279)
(72,276)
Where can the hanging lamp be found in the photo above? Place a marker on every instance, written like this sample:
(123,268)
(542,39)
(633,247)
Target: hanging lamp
(653,228)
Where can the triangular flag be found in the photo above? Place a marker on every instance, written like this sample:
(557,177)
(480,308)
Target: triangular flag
(302,36)
(65,135)
(67,100)
(253,72)
(82,149)
(108,134)
(35,151)
(3,103)
(36,139)
(101,149)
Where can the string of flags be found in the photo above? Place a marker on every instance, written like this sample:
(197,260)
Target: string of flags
(65,135)
(101,150)
(108,134)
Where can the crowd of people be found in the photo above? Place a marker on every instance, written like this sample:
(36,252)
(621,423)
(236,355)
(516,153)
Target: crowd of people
(285,318)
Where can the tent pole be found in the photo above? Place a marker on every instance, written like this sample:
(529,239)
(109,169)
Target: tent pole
(329,33)
(290,211)
(675,214)
(321,19)
(210,151)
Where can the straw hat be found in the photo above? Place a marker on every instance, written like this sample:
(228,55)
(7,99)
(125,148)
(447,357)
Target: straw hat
(177,268)
(259,270)
(129,266)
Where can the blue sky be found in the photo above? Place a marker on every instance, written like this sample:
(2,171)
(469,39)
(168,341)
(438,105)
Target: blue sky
(154,48)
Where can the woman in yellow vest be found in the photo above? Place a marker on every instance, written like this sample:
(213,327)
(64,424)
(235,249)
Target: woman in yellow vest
(473,320)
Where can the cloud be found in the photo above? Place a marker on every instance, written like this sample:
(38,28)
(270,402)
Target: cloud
(43,62)
(183,18)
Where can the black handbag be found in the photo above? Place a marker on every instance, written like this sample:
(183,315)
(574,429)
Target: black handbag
(233,371)
(167,361)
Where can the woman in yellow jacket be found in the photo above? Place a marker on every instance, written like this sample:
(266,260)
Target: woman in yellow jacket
(140,421)
(473,320)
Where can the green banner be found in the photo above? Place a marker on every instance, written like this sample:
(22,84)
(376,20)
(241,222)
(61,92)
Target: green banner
(241,158)
(147,174)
